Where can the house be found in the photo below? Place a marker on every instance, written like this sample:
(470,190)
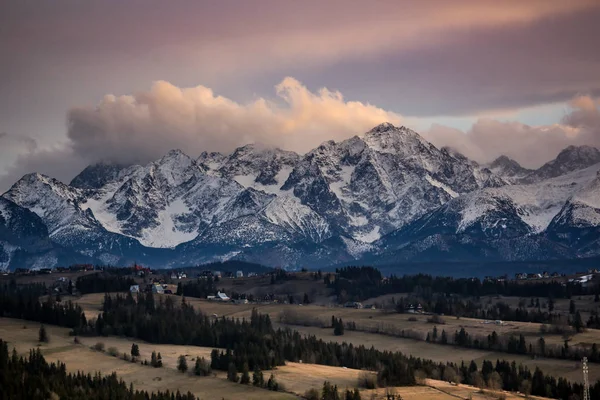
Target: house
(252,274)
(173,275)
(520,275)
(222,297)
(134,288)
(217,273)
(241,301)
(239,274)
(158,289)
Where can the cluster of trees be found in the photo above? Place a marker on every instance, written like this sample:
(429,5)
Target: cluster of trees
(360,283)
(338,326)
(24,378)
(23,302)
(104,282)
(512,344)
(199,288)
(258,379)
(330,392)
(455,305)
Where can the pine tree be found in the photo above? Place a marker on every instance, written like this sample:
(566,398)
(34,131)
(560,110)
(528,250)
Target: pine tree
(306,300)
(444,339)
(182,364)
(245,379)
(43,335)
(153,360)
(578,322)
(232,373)
(159,363)
(257,377)
(572,307)
(135,351)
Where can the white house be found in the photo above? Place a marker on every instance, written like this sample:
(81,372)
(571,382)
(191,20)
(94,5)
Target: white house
(222,296)
(134,288)
(239,274)
(158,289)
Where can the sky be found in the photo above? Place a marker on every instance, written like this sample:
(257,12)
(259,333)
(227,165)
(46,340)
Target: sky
(128,80)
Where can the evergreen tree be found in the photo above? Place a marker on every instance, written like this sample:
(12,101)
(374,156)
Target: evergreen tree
(444,339)
(135,351)
(257,377)
(182,364)
(159,363)
(338,327)
(572,307)
(306,300)
(578,322)
(43,335)
(245,379)
(232,374)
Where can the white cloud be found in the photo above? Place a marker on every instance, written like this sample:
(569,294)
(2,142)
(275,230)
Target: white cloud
(529,145)
(143,126)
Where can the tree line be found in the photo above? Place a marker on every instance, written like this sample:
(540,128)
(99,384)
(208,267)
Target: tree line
(33,378)
(360,283)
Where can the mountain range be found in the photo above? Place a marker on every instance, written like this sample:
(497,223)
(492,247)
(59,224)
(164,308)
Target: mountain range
(385,196)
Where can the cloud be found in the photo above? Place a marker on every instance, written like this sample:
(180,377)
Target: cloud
(143,126)
(11,147)
(529,145)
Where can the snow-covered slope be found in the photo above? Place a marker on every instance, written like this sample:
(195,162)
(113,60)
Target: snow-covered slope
(368,186)
(385,193)
(498,215)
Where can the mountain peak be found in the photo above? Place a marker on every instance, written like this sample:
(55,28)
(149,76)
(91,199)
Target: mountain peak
(568,160)
(583,151)
(504,161)
(384,127)
(95,176)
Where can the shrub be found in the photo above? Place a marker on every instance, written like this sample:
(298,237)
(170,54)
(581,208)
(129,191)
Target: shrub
(367,380)
(312,394)
(98,346)
(112,351)
(436,319)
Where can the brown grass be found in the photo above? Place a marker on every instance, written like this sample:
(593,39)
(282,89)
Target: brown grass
(375,318)
(79,357)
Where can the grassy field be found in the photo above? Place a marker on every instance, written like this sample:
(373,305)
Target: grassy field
(79,357)
(565,368)
(295,377)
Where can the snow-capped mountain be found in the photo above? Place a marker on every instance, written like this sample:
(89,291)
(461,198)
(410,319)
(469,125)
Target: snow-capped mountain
(509,169)
(24,240)
(568,160)
(491,218)
(386,194)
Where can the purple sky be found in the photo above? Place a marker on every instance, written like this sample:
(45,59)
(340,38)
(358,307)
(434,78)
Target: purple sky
(128,79)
